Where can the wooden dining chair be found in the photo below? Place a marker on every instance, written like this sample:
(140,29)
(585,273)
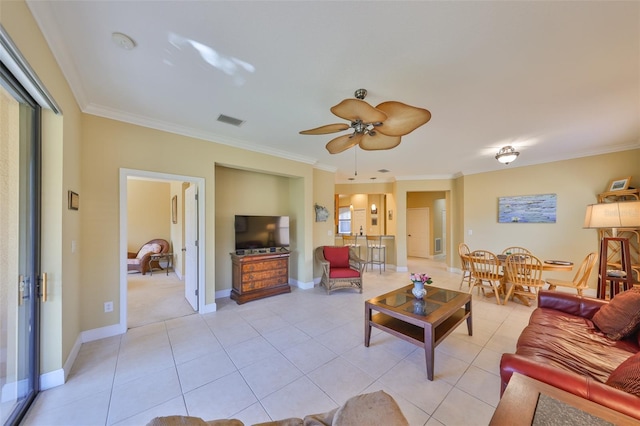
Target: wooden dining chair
(523,276)
(485,272)
(515,250)
(581,280)
(463,252)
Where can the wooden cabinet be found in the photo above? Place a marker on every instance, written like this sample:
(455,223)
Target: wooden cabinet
(259,275)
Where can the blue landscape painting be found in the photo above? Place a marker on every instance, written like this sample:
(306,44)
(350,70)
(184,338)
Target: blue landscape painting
(527,209)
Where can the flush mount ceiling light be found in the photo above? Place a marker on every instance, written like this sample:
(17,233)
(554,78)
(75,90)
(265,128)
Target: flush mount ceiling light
(123,40)
(507,154)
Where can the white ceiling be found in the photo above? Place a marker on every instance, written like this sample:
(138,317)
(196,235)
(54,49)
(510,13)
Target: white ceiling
(557,80)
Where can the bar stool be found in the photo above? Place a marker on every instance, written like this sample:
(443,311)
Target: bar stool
(376,252)
(351,241)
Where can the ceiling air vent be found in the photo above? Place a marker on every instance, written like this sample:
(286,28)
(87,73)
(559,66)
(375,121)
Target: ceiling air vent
(230,120)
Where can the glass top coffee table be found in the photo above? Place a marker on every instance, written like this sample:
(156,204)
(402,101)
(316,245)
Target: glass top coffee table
(424,323)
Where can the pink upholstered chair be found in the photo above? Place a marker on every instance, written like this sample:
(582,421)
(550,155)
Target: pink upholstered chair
(141,260)
(341,267)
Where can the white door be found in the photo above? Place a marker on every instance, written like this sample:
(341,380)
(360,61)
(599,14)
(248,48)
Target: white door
(359,222)
(191,246)
(418,232)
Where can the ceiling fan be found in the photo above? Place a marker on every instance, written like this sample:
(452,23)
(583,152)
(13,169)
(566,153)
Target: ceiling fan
(373,128)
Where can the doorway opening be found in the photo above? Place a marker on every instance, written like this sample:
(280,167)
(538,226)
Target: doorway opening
(169,295)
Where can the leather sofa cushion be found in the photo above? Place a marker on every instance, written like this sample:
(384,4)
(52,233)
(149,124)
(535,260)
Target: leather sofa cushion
(338,257)
(627,376)
(572,343)
(621,316)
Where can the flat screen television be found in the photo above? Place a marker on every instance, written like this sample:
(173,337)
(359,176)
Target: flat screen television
(261,232)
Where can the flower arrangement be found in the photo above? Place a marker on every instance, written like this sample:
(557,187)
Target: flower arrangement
(423,278)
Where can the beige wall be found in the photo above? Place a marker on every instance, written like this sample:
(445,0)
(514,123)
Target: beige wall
(110,145)
(177,229)
(576,183)
(244,193)
(323,194)
(61,172)
(84,153)
(148,212)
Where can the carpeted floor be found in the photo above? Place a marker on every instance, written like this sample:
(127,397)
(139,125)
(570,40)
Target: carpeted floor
(154,298)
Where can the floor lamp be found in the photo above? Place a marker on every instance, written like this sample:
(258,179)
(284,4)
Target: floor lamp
(622,214)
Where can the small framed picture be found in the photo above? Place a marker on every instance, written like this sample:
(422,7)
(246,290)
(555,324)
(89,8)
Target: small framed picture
(73,200)
(174,209)
(619,184)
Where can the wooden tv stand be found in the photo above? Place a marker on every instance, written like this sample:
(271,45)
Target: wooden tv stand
(259,275)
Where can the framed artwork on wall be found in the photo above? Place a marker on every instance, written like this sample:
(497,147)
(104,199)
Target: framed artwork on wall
(174,209)
(619,184)
(527,209)
(73,200)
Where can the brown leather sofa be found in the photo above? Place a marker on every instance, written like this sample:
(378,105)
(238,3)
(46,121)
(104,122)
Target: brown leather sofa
(565,346)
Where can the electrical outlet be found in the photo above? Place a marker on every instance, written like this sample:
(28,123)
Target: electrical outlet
(108,306)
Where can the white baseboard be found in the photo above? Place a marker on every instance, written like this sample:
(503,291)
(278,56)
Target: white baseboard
(102,332)
(211,307)
(52,379)
(223,293)
(302,285)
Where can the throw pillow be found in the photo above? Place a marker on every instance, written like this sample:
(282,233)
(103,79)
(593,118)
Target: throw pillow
(338,257)
(627,376)
(621,316)
(377,408)
(149,248)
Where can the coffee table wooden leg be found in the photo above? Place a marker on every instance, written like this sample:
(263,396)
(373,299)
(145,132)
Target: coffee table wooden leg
(467,308)
(367,325)
(429,350)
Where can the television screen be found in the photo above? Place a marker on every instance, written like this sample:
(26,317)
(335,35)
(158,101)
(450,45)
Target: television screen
(258,232)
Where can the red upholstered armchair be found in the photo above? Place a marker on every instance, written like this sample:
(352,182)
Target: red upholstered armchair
(341,267)
(141,260)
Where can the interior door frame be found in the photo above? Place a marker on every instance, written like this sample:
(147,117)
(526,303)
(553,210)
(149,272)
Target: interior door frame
(200,183)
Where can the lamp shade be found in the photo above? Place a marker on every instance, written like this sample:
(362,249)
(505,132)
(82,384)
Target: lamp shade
(624,214)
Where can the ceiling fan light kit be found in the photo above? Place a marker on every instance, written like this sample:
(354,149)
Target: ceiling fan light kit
(373,128)
(507,154)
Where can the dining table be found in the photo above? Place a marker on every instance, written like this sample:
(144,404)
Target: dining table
(547,265)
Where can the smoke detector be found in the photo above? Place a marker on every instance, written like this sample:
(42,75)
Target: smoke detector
(123,41)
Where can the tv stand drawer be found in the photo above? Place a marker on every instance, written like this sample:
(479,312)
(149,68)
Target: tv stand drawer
(258,276)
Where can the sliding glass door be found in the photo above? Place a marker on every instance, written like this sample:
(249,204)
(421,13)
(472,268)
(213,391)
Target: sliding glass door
(19,248)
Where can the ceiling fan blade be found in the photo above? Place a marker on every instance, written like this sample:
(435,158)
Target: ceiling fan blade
(342,143)
(379,141)
(401,119)
(323,130)
(355,109)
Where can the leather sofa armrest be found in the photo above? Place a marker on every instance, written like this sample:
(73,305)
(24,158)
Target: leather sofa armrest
(584,307)
(562,379)
(582,386)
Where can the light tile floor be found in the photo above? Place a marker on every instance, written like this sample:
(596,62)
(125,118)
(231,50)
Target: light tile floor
(287,356)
